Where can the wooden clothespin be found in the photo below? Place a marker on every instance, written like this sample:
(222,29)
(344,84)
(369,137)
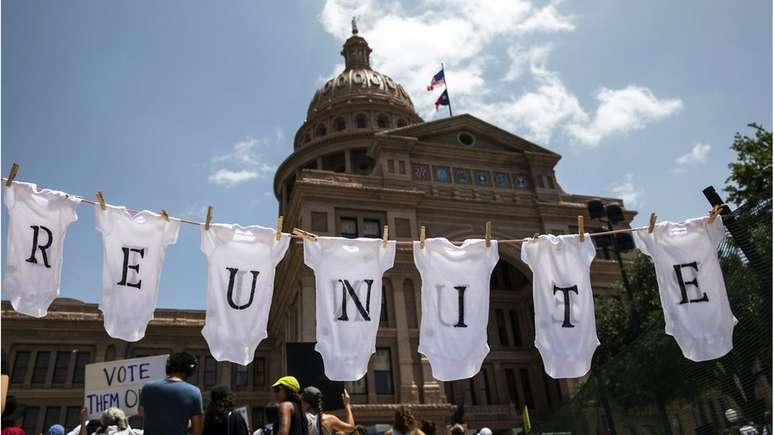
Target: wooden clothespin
(304,234)
(581,229)
(652,223)
(422,233)
(101,200)
(12,174)
(488,234)
(209,218)
(385,235)
(278,228)
(165,215)
(714,213)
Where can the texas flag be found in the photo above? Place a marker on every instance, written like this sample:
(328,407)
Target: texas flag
(438,80)
(443,100)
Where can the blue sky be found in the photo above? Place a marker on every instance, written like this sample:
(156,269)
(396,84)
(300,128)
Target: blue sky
(181,104)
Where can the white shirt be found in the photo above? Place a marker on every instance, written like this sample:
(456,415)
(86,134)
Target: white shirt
(348,281)
(455,304)
(240,282)
(690,284)
(37,224)
(565,327)
(133,250)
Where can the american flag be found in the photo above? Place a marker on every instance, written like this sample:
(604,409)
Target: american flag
(438,80)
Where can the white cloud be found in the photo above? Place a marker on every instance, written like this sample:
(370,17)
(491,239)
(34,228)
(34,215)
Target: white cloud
(228,178)
(621,111)
(244,162)
(411,39)
(627,191)
(698,154)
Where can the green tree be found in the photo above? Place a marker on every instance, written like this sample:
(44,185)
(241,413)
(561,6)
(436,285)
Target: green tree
(750,179)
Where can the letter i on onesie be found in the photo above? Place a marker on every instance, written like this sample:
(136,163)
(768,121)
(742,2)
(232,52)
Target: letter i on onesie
(455,304)
(348,280)
(37,224)
(690,285)
(565,328)
(240,283)
(133,249)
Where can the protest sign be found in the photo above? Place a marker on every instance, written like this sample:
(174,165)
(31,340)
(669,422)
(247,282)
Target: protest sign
(118,383)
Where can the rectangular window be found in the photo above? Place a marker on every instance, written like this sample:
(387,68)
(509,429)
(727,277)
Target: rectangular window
(52,416)
(73,417)
(238,376)
(81,359)
(402,228)
(402,166)
(30,419)
(527,388)
(319,221)
(484,385)
(334,162)
(513,390)
(61,365)
(357,387)
(210,371)
(260,371)
(348,227)
(383,371)
(391,166)
(372,228)
(40,372)
(384,317)
(470,392)
(501,331)
(20,366)
(541,181)
(515,328)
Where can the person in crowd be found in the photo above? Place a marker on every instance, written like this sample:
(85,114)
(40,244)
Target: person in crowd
(170,405)
(268,428)
(359,430)
(428,427)
(291,419)
(458,425)
(11,416)
(113,421)
(219,418)
(56,429)
(405,423)
(485,431)
(321,423)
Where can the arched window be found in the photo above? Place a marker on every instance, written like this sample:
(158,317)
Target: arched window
(340,124)
(401,122)
(382,121)
(320,131)
(110,353)
(361,121)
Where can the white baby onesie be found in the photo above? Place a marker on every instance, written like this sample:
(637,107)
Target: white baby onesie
(690,284)
(455,304)
(37,224)
(132,256)
(240,282)
(348,282)
(565,327)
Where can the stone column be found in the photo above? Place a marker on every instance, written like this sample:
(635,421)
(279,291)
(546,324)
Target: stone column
(407,388)
(308,309)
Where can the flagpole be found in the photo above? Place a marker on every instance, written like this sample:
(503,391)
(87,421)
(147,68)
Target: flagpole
(446,88)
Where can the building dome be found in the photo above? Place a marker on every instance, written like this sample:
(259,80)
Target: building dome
(356,101)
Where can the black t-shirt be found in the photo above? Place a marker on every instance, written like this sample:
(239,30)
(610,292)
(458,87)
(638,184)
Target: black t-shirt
(233,425)
(298,422)
(4,364)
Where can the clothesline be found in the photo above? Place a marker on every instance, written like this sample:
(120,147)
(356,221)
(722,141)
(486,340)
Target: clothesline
(397,242)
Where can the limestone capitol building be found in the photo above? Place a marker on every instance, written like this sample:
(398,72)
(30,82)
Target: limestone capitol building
(362,159)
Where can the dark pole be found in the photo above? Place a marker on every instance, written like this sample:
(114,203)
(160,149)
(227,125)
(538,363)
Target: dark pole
(446,88)
(634,316)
